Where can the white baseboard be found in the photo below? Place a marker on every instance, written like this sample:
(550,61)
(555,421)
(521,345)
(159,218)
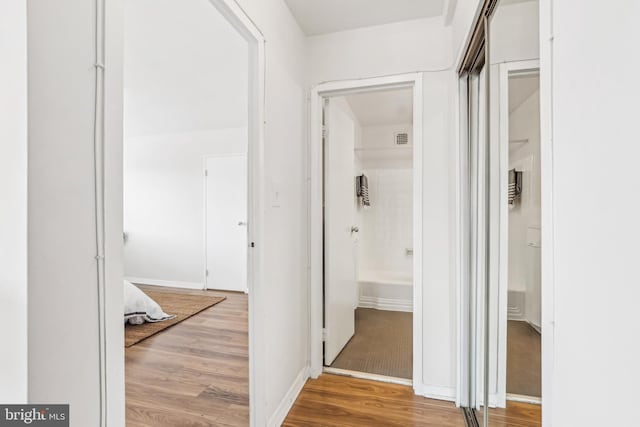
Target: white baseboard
(367,376)
(435,392)
(167,283)
(514,313)
(515,305)
(524,399)
(289,399)
(386,304)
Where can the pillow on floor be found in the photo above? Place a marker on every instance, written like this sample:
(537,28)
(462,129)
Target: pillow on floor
(139,308)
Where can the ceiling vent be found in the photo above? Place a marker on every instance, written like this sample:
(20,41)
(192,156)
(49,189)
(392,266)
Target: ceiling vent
(402,138)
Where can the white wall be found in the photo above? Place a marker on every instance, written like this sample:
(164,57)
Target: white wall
(418,45)
(398,48)
(185,68)
(63,319)
(62,234)
(592,143)
(186,97)
(463,15)
(383,136)
(164,203)
(13,198)
(514,32)
(387,225)
(524,216)
(286,324)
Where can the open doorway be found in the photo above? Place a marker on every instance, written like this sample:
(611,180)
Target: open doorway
(368,233)
(366,228)
(188,124)
(521,230)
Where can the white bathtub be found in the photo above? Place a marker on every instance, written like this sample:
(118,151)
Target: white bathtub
(385,290)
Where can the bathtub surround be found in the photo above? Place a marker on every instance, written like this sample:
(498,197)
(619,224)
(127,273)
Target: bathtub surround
(524,216)
(385,241)
(385,258)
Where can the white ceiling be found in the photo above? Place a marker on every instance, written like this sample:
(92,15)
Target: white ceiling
(328,16)
(389,107)
(520,89)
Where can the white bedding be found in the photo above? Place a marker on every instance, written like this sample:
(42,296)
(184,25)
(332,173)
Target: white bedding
(140,308)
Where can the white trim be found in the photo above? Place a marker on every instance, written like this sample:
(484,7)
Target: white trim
(289,398)
(461,247)
(113,173)
(255,212)
(524,399)
(167,283)
(506,69)
(316,214)
(387,304)
(114,352)
(547,286)
(435,392)
(367,376)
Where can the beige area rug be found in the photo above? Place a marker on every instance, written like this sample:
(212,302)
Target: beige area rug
(382,344)
(181,305)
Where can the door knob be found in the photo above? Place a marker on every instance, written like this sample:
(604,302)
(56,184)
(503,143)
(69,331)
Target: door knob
(242,223)
(354,229)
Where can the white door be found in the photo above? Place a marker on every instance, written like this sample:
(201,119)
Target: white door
(226,222)
(340,288)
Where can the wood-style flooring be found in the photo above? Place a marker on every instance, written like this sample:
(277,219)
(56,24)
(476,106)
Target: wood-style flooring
(516,414)
(337,401)
(195,373)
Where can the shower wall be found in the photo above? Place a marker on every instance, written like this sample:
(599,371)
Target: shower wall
(387,229)
(524,216)
(385,240)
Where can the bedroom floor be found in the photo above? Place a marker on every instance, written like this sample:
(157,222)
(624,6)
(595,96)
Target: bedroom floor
(195,373)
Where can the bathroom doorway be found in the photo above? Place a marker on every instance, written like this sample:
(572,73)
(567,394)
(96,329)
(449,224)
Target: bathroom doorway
(520,230)
(369,162)
(368,238)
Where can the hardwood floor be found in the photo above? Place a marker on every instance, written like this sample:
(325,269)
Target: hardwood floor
(516,414)
(195,373)
(334,400)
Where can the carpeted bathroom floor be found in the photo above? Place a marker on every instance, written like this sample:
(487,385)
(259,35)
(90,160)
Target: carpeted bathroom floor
(382,344)
(523,359)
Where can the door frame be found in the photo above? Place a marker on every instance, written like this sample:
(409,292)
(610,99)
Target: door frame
(111,172)
(206,219)
(507,69)
(316,181)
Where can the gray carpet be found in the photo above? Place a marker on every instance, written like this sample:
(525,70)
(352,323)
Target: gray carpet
(523,359)
(382,344)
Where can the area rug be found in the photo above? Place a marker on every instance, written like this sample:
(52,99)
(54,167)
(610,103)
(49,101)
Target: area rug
(181,305)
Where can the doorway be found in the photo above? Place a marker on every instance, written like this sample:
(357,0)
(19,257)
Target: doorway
(368,238)
(366,228)
(198,117)
(520,231)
